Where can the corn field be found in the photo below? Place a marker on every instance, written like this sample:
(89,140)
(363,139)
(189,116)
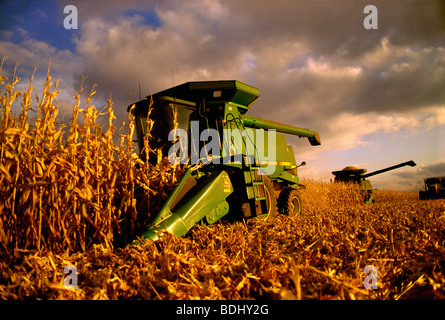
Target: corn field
(69,196)
(64,190)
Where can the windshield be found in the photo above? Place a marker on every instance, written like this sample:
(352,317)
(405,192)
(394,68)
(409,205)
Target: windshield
(165,117)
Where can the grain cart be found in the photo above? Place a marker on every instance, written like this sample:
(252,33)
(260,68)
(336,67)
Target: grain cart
(244,159)
(434,188)
(354,174)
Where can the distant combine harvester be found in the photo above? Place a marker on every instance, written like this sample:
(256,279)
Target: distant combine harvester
(356,175)
(434,188)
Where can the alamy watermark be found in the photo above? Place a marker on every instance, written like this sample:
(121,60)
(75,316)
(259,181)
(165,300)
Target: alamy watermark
(235,144)
(370,281)
(370,21)
(70,281)
(70,21)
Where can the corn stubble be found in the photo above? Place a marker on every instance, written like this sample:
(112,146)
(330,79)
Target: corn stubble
(67,198)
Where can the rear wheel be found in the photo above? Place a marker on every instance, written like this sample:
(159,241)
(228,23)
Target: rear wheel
(271,200)
(289,202)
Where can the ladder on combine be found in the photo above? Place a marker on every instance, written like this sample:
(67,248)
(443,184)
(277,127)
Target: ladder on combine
(256,191)
(255,186)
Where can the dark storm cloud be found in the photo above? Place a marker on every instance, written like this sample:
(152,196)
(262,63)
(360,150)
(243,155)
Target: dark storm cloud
(210,39)
(436,169)
(335,28)
(403,65)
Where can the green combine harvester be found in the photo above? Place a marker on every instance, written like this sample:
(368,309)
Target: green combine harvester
(434,188)
(353,174)
(245,160)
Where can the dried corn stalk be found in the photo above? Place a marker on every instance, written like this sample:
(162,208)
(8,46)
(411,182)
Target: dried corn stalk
(68,189)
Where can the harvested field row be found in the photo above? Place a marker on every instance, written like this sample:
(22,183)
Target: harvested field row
(318,255)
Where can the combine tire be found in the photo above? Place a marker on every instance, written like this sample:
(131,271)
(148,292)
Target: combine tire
(289,202)
(271,200)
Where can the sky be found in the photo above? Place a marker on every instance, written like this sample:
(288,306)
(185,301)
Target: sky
(375,95)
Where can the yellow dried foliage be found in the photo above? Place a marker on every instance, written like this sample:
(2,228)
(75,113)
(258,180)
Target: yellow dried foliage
(317,255)
(68,188)
(65,195)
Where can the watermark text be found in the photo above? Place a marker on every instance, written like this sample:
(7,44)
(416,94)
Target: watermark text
(370,281)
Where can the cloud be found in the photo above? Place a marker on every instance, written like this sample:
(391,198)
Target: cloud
(120,55)
(30,54)
(433,169)
(412,179)
(434,117)
(313,56)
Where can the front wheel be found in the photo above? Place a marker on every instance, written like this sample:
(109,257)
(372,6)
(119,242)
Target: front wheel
(289,202)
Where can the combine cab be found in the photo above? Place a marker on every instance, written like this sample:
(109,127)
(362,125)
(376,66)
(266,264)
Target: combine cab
(354,174)
(244,159)
(434,188)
